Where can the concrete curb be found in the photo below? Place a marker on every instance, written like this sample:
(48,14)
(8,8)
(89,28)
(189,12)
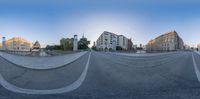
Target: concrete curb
(69,88)
(42,63)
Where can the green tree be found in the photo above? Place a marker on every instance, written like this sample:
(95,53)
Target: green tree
(53,47)
(66,43)
(83,43)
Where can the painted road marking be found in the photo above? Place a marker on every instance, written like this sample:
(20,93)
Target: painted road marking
(196,68)
(65,89)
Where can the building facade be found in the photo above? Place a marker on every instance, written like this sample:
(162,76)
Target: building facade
(111,41)
(198,46)
(187,47)
(16,43)
(169,41)
(1,46)
(3,43)
(130,44)
(36,45)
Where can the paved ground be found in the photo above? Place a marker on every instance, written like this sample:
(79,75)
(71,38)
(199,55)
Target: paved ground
(169,76)
(42,62)
(139,54)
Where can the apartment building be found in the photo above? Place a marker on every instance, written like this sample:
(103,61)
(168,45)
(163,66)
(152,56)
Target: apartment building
(169,41)
(111,41)
(16,43)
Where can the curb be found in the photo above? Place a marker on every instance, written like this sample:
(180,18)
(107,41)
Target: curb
(26,67)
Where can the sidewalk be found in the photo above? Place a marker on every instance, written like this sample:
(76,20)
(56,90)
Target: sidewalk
(140,54)
(197,52)
(42,62)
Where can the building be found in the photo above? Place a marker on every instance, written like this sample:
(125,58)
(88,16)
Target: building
(3,43)
(134,46)
(94,44)
(111,41)
(130,44)
(36,45)
(169,41)
(198,46)
(1,46)
(16,43)
(187,47)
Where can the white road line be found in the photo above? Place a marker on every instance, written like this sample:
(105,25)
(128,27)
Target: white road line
(65,89)
(196,68)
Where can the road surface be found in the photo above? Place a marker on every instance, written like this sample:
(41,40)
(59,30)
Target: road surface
(109,76)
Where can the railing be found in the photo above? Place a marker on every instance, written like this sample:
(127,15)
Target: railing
(60,52)
(39,53)
(22,53)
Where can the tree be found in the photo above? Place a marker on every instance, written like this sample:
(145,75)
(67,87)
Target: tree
(94,48)
(53,47)
(66,43)
(83,43)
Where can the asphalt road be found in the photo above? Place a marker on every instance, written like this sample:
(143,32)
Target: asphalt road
(109,76)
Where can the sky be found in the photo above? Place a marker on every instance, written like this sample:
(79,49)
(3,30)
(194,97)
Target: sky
(141,20)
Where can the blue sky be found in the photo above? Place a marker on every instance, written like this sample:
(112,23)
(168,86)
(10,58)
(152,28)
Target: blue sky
(50,20)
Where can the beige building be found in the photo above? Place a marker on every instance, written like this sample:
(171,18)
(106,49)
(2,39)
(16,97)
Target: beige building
(198,46)
(110,41)
(169,41)
(17,43)
(1,45)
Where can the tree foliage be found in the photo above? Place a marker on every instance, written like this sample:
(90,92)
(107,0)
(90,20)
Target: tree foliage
(66,43)
(53,47)
(83,43)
